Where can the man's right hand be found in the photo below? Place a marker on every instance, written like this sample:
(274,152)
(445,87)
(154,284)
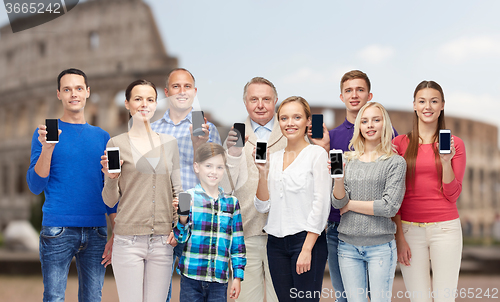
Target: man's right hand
(322,142)
(42,137)
(232,138)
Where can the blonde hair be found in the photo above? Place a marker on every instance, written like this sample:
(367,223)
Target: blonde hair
(357,144)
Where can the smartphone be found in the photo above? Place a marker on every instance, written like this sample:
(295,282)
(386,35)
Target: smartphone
(52,130)
(113,159)
(184,203)
(260,152)
(444,141)
(317,126)
(239,128)
(198,119)
(337,164)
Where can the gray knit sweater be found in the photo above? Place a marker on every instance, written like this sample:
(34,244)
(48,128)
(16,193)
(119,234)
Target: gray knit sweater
(382,181)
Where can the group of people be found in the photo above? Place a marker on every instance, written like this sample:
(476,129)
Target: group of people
(275,223)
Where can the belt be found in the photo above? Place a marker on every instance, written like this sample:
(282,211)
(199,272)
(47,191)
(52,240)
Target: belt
(419,224)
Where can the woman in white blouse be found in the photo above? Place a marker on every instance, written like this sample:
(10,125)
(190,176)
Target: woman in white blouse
(294,187)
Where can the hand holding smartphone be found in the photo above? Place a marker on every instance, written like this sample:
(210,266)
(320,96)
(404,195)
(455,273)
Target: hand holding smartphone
(113,154)
(336,164)
(184,204)
(52,128)
(444,141)
(260,152)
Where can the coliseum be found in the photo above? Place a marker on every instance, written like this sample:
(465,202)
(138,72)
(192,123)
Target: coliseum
(113,51)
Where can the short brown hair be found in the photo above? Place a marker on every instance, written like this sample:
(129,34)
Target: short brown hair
(355,74)
(259,80)
(180,69)
(209,150)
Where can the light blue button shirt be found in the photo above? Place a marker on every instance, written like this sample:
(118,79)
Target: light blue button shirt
(263,132)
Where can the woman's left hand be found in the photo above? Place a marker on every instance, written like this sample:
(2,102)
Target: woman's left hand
(304,262)
(345,209)
(448,157)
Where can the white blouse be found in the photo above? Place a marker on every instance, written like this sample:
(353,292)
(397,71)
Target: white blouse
(299,195)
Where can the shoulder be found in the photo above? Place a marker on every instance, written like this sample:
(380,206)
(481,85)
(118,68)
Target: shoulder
(316,150)
(166,137)
(336,129)
(397,160)
(400,140)
(458,141)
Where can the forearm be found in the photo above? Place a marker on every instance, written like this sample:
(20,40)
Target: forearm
(399,227)
(262,190)
(42,167)
(338,189)
(310,241)
(362,207)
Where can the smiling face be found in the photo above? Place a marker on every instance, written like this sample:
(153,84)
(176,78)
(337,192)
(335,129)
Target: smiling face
(293,120)
(428,104)
(73,93)
(142,102)
(355,94)
(372,124)
(180,91)
(210,172)
(260,102)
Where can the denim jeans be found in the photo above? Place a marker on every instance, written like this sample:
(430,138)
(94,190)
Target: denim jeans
(202,291)
(58,246)
(178,249)
(380,263)
(332,238)
(282,255)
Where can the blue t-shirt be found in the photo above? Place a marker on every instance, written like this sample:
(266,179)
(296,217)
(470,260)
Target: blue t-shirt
(73,189)
(340,138)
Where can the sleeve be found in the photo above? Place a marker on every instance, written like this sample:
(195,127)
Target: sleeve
(36,183)
(394,190)
(261,206)
(340,203)
(175,174)
(453,189)
(238,249)
(111,192)
(213,134)
(115,208)
(237,167)
(322,180)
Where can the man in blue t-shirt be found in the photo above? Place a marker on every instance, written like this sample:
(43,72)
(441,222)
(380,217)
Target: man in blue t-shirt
(74,214)
(354,93)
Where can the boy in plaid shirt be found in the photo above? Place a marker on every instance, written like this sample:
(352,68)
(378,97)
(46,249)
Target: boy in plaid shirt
(213,231)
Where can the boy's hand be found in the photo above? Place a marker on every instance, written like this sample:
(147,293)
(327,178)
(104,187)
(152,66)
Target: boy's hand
(234,292)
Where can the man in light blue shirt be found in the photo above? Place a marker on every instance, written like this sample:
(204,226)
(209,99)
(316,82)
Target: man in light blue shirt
(177,121)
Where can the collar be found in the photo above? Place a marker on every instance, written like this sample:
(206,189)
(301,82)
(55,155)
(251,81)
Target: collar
(347,124)
(199,189)
(268,126)
(167,119)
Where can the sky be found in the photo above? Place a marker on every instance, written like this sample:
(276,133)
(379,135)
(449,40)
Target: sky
(304,48)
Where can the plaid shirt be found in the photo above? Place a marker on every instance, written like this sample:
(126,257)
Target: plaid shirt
(214,233)
(183,135)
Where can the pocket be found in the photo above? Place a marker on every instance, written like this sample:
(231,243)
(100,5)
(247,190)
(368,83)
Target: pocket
(51,232)
(295,182)
(405,227)
(226,222)
(124,240)
(102,232)
(450,226)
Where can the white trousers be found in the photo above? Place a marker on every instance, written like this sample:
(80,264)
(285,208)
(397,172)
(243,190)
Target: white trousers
(437,246)
(142,266)
(257,273)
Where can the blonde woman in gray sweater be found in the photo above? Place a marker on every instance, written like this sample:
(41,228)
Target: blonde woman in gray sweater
(368,196)
(145,188)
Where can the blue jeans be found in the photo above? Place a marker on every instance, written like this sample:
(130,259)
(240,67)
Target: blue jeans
(177,254)
(332,238)
(282,254)
(58,246)
(202,291)
(380,263)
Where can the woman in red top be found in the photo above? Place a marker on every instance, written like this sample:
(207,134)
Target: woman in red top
(428,225)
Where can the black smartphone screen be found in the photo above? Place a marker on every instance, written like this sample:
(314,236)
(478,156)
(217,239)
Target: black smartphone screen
(317,126)
(260,151)
(198,120)
(184,201)
(52,130)
(336,164)
(239,128)
(113,159)
(444,141)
